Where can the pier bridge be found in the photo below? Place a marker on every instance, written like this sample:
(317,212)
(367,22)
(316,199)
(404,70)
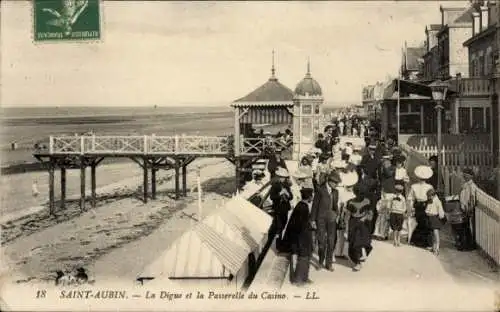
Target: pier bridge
(151,153)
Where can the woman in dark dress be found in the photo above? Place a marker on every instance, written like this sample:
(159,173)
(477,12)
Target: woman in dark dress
(276,162)
(417,198)
(358,216)
(299,238)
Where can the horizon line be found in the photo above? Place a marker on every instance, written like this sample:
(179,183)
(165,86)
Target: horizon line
(152,106)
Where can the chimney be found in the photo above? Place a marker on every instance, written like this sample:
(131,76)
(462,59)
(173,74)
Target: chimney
(484,17)
(476,24)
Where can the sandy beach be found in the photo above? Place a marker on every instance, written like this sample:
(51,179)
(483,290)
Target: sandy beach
(112,239)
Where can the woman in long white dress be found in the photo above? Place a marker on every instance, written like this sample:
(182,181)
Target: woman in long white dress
(346,193)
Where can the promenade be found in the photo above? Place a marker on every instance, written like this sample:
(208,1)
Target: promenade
(405,277)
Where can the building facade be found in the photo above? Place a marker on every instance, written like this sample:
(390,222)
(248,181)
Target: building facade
(431,56)
(475,111)
(412,65)
(456,27)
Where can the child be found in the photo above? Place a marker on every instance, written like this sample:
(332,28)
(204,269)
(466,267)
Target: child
(435,213)
(397,213)
(401,175)
(34,189)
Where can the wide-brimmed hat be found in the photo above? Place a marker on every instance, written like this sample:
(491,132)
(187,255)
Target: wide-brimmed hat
(282,172)
(257,172)
(350,179)
(302,173)
(338,164)
(355,159)
(386,155)
(399,186)
(315,150)
(468,172)
(423,172)
(307,185)
(334,177)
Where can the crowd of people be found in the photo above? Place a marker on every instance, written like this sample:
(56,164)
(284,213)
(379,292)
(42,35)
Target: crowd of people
(351,125)
(347,195)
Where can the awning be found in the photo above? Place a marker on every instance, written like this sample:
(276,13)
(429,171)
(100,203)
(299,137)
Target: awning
(411,90)
(267,115)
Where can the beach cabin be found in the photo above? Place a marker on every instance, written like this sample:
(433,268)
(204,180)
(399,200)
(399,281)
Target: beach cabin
(221,251)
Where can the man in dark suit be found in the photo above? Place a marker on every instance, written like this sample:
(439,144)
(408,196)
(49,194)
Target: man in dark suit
(370,163)
(281,195)
(324,214)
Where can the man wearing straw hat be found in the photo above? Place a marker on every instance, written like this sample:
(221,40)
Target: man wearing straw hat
(467,205)
(324,216)
(281,195)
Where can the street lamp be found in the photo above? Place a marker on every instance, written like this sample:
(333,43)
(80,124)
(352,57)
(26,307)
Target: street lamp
(439,89)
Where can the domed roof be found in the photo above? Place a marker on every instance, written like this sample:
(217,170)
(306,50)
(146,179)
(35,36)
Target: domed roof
(308,85)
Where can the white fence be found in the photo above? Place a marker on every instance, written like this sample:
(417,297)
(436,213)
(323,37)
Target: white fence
(477,155)
(487,212)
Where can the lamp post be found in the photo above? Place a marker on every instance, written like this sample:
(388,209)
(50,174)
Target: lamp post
(439,89)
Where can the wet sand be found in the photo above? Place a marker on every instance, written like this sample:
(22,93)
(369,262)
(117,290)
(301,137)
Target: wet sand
(75,239)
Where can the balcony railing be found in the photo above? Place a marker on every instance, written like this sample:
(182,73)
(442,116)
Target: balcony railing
(474,86)
(260,146)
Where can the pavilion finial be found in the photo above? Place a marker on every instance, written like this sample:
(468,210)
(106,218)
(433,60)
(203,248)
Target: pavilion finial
(308,65)
(273,70)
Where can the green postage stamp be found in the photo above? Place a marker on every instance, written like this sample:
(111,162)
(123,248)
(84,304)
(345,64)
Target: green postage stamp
(66,20)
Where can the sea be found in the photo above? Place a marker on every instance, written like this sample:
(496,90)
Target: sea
(26,126)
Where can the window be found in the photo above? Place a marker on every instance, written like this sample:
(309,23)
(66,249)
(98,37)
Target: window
(464,119)
(480,67)
(316,109)
(414,107)
(488,121)
(478,119)
(307,109)
(488,62)
(307,130)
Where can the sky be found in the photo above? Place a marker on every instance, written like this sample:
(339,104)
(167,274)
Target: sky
(209,53)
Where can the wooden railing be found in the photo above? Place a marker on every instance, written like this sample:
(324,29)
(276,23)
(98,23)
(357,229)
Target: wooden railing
(474,86)
(260,146)
(477,155)
(153,144)
(487,212)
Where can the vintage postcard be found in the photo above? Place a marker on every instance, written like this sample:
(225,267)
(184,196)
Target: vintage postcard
(233,156)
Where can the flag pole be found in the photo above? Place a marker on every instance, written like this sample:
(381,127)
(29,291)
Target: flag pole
(399,104)
(200,203)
